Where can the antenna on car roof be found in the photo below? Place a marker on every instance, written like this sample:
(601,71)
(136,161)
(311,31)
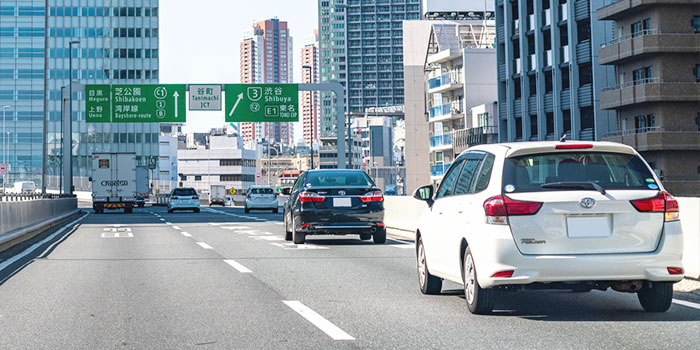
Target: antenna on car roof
(563,138)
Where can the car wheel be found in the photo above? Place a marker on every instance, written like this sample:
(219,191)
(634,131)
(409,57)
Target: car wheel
(196,210)
(657,297)
(479,300)
(379,236)
(246,210)
(428,283)
(365,236)
(276,210)
(287,232)
(297,237)
(170,211)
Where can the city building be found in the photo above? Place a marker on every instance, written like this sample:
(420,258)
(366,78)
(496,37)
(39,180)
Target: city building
(222,162)
(549,77)
(167,163)
(361,47)
(328,153)
(376,134)
(271,169)
(460,74)
(113,45)
(656,57)
(266,58)
(310,99)
(416,35)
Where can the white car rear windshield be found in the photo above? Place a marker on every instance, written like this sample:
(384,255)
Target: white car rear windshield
(184,192)
(261,191)
(565,171)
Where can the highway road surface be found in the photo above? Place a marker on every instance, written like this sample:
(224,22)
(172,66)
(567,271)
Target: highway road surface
(222,279)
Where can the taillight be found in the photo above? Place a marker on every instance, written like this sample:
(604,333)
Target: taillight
(175,197)
(675,270)
(374,196)
(662,203)
(249,197)
(503,274)
(311,197)
(275,196)
(498,208)
(195,197)
(574,146)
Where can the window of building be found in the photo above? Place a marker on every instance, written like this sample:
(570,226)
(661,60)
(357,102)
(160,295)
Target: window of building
(548,82)
(642,75)
(533,84)
(644,123)
(518,128)
(533,126)
(583,29)
(586,118)
(696,24)
(198,178)
(585,74)
(516,88)
(697,72)
(566,120)
(550,123)
(565,78)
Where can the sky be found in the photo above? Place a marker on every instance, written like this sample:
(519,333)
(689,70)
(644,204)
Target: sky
(200,42)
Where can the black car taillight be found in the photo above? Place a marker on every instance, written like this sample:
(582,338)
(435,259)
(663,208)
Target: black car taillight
(311,197)
(374,196)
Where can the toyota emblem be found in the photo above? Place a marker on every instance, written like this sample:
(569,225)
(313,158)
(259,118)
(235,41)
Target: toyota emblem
(341,192)
(587,202)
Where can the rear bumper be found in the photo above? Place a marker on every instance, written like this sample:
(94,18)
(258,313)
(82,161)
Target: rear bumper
(319,222)
(501,254)
(112,205)
(262,204)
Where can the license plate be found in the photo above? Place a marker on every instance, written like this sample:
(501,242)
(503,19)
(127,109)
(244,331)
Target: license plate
(588,227)
(342,202)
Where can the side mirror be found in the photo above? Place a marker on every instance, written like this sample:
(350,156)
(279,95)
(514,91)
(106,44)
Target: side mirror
(424,193)
(286,191)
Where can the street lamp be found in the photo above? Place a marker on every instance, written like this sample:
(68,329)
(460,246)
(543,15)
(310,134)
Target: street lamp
(269,161)
(67,128)
(4,148)
(313,117)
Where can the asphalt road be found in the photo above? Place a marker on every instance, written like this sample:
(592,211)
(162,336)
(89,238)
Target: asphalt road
(222,279)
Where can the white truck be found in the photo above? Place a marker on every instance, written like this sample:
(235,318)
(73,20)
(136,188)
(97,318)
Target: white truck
(217,195)
(142,188)
(113,181)
(24,187)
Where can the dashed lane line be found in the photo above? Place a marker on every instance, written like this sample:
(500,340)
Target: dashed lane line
(686,303)
(185,234)
(317,320)
(237,266)
(176,227)
(204,245)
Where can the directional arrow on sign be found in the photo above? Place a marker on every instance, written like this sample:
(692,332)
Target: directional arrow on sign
(240,97)
(175,95)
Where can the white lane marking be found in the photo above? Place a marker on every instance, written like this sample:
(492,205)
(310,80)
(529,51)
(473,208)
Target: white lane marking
(161,219)
(292,246)
(235,227)
(117,234)
(36,245)
(237,266)
(267,238)
(186,234)
(168,223)
(279,223)
(317,320)
(402,246)
(686,303)
(204,245)
(176,227)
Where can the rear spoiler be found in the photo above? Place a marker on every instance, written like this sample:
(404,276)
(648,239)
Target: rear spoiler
(572,146)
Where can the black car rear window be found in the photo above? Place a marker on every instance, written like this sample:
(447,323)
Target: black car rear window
(338,178)
(612,171)
(184,192)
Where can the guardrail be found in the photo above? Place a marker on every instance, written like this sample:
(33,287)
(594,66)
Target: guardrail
(641,33)
(21,220)
(650,129)
(12,197)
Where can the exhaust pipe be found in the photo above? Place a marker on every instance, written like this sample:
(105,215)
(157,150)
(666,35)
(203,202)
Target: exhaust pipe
(627,286)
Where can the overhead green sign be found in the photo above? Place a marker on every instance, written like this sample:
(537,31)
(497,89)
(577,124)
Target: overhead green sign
(159,103)
(97,109)
(163,103)
(262,102)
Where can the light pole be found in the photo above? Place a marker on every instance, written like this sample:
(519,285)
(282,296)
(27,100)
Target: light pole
(67,130)
(313,117)
(4,149)
(269,162)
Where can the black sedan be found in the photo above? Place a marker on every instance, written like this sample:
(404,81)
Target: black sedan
(335,202)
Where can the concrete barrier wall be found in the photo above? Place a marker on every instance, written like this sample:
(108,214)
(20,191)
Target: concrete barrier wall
(402,213)
(18,215)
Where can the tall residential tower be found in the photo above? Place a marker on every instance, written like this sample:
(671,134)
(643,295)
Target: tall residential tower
(310,99)
(266,58)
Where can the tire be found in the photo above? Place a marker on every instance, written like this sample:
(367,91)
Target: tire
(480,301)
(128,210)
(275,211)
(379,236)
(170,211)
(297,237)
(287,232)
(246,210)
(427,283)
(196,210)
(365,236)
(657,297)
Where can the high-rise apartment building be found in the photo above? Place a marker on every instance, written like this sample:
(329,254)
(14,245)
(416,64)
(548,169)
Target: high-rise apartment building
(361,47)
(266,57)
(549,78)
(115,43)
(310,99)
(656,56)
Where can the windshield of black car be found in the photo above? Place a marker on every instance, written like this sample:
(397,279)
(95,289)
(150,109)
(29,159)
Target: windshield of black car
(612,171)
(338,178)
(184,192)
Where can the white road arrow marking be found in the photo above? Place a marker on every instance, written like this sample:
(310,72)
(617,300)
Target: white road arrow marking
(240,97)
(175,95)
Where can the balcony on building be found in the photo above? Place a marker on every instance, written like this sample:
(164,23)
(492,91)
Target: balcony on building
(619,9)
(465,138)
(657,138)
(647,42)
(649,90)
(441,142)
(445,82)
(445,111)
(438,170)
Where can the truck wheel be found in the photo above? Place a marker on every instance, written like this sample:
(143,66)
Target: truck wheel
(128,210)
(657,297)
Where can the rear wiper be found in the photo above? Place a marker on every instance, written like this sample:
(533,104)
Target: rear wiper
(581,185)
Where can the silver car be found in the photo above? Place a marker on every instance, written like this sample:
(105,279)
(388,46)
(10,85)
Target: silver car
(261,197)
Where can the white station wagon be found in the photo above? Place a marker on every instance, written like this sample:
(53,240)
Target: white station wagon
(550,215)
